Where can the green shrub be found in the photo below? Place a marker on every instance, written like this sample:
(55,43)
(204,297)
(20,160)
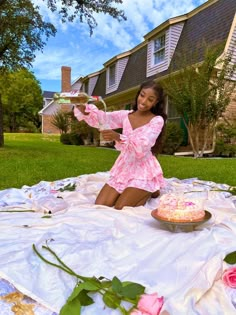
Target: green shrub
(173,138)
(65,138)
(226,139)
(71,138)
(225,149)
(30,127)
(227,132)
(61,121)
(76,139)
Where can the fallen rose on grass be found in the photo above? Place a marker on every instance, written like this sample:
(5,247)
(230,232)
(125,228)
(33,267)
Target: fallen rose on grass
(229,277)
(149,304)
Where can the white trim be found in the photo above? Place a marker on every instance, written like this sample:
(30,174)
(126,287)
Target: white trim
(229,38)
(169,47)
(178,19)
(162,48)
(112,75)
(43,109)
(230,47)
(117,58)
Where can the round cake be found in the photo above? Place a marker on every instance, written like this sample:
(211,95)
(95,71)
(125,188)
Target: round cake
(177,208)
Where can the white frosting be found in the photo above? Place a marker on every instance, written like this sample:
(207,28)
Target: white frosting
(180,208)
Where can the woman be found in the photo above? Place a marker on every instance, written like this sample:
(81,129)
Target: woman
(136,175)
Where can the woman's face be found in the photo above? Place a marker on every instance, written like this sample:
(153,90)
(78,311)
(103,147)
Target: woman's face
(146,100)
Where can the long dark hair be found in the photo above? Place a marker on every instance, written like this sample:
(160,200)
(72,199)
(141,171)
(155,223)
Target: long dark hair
(157,110)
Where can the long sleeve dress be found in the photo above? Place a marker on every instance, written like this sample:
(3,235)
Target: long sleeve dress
(136,166)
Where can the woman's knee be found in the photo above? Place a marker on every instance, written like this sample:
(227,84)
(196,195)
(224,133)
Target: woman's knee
(103,202)
(107,196)
(132,197)
(119,206)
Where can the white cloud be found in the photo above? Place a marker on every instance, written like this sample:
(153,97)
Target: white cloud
(73,46)
(142,17)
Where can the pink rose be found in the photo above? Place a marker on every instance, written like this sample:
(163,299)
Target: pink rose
(149,304)
(229,277)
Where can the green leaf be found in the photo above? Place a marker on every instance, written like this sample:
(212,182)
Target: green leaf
(69,187)
(230,258)
(84,298)
(71,308)
(116,285)
(111,300)
(132,290)
(75,292)
(92,285)
(105,284)
(87,286)
(46,217)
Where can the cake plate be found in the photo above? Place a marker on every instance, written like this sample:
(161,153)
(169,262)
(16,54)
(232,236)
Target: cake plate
(181,226)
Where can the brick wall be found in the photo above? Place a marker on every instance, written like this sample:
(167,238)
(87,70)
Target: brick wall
(65,79)
(47,127)
(231,109)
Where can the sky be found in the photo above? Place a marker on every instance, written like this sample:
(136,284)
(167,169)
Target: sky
(74,47)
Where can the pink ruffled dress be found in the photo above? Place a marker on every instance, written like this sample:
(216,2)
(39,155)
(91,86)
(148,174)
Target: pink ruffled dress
(136,166)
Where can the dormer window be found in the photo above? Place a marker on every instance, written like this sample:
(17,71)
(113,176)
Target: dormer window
(112,74)
(159,49)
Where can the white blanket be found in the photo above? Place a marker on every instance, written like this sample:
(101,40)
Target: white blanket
(184,267)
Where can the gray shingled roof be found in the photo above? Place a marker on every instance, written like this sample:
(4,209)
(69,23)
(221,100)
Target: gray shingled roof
(211,25)
(48,94)
(100,87)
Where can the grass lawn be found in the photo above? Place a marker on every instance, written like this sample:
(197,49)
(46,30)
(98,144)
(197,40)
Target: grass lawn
(27,159)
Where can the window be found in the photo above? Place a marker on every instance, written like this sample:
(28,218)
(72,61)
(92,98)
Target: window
(112,75)
(159,49)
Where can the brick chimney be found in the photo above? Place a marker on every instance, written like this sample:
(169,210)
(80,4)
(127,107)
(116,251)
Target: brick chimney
(65,79)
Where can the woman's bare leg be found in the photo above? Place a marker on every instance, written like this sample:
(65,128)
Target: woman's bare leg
(107,196)
(156,194)
(132,197)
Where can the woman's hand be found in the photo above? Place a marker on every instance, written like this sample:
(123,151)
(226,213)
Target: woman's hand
(110,135)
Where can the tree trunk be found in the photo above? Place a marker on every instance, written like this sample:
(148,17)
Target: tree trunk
(196,135)
(14,122)
(1,123)
(191,133)
(206,137)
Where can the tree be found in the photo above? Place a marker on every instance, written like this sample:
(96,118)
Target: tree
(201,93)
(61,120)
(69,10)
(22,32)
(22,99)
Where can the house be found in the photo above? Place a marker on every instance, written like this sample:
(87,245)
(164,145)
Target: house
(118,81)
(47,101)
(50,107)
(47,97)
